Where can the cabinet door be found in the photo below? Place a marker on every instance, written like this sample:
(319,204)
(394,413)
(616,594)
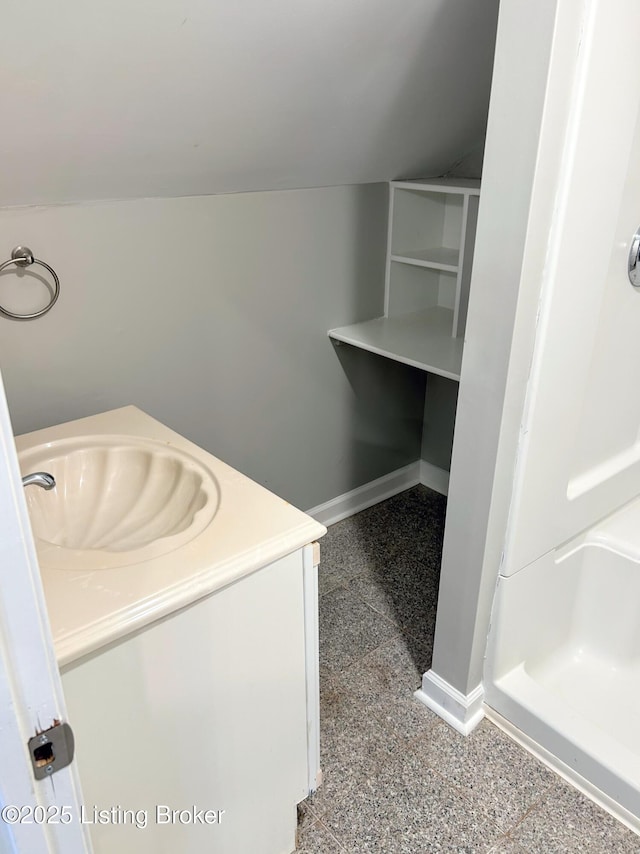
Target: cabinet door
(580,454)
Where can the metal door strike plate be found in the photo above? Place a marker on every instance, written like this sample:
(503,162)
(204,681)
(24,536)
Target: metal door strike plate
(51,750)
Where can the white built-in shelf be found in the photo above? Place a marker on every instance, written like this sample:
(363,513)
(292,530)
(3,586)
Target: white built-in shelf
(431,238)
(441,185)
(437,258)
(421,339)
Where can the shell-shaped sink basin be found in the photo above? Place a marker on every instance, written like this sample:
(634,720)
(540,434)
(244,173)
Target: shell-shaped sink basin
(118,500)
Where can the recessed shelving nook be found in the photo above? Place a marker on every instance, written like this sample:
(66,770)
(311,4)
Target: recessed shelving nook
(431,238)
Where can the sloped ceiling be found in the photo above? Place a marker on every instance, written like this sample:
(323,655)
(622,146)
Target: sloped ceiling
(117,99)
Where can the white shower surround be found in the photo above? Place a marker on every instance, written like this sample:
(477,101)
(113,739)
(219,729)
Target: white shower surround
(564,660)
(562,665)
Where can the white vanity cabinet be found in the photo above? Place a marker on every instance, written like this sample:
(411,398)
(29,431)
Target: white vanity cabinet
(189,661)
(196,725)
(431,238)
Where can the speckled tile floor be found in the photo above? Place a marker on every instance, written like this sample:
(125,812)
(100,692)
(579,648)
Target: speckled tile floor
(396,778)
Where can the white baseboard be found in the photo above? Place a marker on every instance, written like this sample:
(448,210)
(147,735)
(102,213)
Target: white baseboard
(434,477)
(379,490)
(366,496)
(462,711)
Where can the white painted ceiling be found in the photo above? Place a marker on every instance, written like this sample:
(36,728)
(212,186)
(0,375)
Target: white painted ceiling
(117,99)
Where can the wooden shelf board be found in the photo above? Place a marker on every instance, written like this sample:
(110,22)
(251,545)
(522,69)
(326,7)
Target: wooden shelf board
(421,339)
(436,258)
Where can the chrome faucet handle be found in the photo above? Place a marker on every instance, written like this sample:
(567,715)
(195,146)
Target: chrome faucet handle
(40,478)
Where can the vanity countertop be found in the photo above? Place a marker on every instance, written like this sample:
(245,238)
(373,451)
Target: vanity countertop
(251,528)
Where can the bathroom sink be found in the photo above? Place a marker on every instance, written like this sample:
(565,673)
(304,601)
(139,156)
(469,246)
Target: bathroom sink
(118,500)
(141,524)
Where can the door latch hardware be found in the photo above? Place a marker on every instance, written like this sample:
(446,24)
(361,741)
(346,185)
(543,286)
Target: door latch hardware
(634,260)
(51,750)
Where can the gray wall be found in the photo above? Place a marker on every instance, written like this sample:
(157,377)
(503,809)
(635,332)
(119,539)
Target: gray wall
(522,159)
(441,398)
(211,314)
(171,98)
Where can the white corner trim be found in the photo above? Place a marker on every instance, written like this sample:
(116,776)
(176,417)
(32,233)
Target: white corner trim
(366,496)
(433,477)
(312,664)
(379,490)
(462,711)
